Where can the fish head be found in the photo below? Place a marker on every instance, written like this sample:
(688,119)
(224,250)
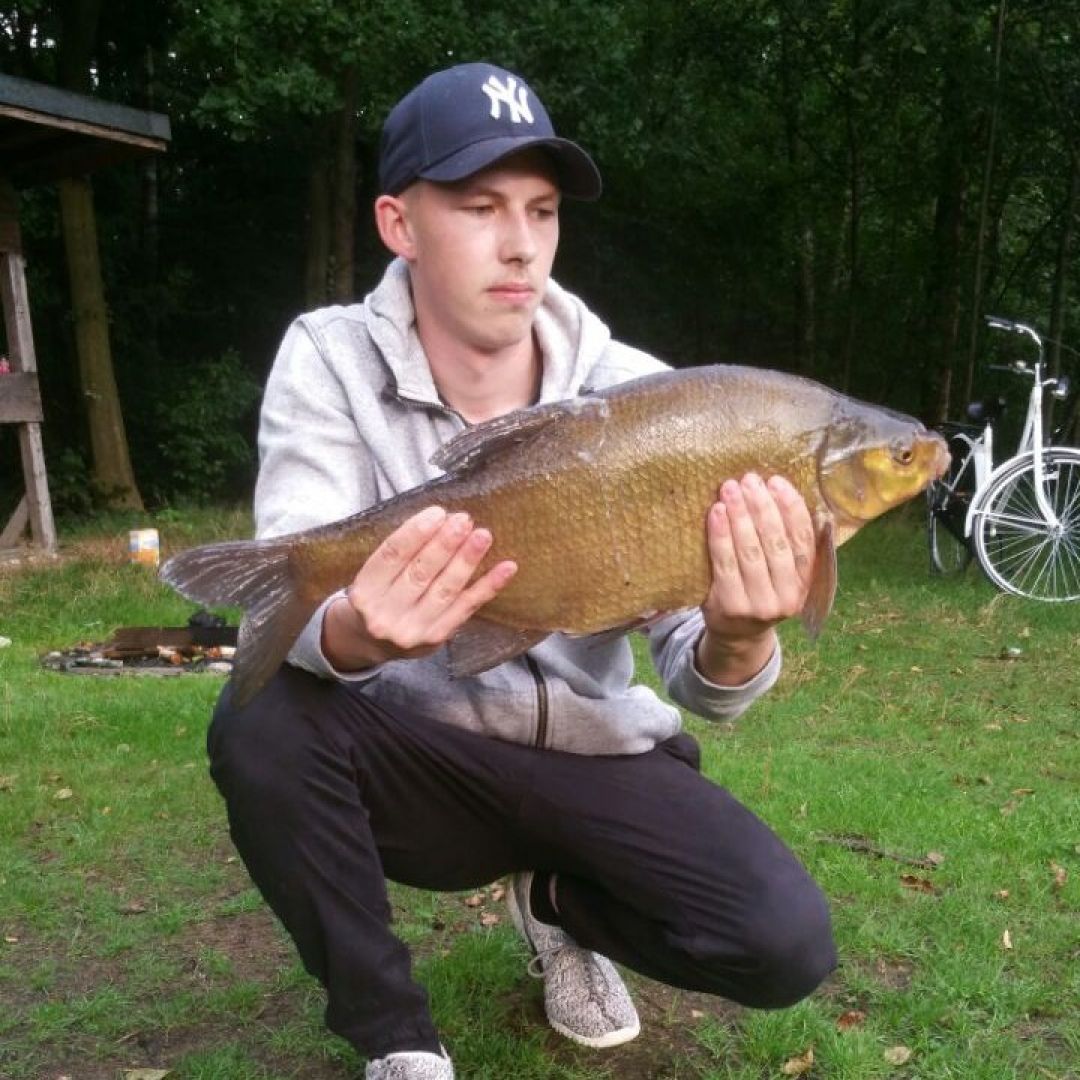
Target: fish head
(874,459)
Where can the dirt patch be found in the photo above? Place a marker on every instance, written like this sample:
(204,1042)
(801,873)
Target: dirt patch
(668,1021)
(249,947)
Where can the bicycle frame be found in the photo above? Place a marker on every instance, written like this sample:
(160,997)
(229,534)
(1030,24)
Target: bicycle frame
(1031,439)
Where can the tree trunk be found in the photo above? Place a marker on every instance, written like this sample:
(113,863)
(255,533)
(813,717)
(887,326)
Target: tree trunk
(108,440)
(943,284)
(984,207)
(150,223)
(317,269)
(804,333)
(855,195)
(1059,294)
(343,224)
(112,472)
(854,284)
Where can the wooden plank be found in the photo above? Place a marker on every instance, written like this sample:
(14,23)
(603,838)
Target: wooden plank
(21,351)
(10,238)
(16,525)
(44,104)
(135,638)
(17,312)
(81,127)
(37,486)
(20,398)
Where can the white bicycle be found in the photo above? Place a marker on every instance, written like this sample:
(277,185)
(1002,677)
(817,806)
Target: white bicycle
(1021,518)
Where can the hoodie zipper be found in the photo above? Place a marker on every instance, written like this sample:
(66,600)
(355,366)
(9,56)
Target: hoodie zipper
(541,702)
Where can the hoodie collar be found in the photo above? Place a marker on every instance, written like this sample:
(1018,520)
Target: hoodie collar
(571,338)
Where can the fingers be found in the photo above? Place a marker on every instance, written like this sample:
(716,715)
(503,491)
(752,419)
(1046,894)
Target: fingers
(414,591)
(761,542)
(401,547)
(798,525)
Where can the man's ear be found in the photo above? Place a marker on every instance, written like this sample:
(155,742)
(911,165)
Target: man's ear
(395,229)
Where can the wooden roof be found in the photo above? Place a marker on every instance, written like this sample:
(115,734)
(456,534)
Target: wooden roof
(47,133)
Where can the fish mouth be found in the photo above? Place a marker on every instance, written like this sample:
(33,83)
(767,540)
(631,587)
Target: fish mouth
(942,458)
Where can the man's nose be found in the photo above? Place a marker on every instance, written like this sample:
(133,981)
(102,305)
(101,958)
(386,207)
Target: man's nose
(519,244)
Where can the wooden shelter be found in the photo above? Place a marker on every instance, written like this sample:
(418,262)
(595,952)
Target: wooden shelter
(47,134)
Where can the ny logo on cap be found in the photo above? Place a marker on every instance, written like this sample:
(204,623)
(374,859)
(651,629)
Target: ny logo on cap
(501,94)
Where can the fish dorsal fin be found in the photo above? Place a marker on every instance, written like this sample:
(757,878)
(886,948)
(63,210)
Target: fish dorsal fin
(819,600)
(481,644)
(474,445)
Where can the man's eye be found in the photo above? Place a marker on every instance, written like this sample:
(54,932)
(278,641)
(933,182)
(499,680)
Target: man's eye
(480,209)
(544,213)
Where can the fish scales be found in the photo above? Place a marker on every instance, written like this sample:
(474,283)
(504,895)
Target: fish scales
(605,512)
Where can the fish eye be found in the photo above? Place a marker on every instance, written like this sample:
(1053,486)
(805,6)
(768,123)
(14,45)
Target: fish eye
(902,453)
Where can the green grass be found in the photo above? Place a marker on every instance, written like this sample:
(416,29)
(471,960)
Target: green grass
(130,936)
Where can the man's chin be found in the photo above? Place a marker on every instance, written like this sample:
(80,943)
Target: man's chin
(507,332)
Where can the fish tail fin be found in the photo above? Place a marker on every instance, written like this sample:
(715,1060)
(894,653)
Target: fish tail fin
(257,576)
(819,600)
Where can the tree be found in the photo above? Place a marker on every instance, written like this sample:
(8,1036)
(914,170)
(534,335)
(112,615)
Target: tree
(112,472)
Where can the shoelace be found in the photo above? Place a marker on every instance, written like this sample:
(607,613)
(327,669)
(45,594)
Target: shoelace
(535,967)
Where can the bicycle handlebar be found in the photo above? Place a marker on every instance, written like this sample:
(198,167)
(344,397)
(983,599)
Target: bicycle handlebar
(996,322)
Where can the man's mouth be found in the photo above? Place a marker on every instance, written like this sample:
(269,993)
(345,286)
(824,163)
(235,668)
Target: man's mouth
(513,290)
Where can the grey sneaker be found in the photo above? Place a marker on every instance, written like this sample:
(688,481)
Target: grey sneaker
(584,996)
(410,1065)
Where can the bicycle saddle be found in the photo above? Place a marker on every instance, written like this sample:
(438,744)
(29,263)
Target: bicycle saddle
(986,410)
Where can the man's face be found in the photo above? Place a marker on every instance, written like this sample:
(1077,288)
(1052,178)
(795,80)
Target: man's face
(481,250)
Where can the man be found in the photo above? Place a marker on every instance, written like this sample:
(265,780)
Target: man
(363,760)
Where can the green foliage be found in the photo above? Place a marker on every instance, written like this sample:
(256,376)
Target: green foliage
(201,448)
(70,488)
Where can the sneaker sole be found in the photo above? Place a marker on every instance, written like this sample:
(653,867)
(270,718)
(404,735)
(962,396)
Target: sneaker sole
(600,1042)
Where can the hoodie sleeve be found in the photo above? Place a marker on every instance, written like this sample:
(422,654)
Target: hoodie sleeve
(673,642)
(305,429)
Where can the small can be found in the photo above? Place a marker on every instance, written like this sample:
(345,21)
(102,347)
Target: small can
(144,547)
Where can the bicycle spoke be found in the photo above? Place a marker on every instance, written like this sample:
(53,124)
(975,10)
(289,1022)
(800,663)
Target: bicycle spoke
(1020,550)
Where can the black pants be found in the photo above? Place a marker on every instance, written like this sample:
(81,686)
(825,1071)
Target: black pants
(658,868)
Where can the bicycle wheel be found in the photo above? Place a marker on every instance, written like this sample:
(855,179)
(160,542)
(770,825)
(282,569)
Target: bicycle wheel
(947,501)
(1020,552)
(949,553)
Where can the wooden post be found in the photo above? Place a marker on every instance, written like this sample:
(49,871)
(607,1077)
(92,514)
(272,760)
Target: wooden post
(21,352)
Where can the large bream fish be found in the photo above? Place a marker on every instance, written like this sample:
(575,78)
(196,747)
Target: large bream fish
(601,500)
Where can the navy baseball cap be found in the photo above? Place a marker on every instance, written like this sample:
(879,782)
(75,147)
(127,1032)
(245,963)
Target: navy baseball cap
(463,119)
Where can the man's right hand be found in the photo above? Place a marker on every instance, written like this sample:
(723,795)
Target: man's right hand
(413,593)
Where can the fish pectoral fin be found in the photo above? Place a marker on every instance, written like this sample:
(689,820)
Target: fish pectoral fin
(482,644)
(819,600)
(476,444)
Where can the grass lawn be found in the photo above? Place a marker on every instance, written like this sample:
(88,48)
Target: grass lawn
(930,782)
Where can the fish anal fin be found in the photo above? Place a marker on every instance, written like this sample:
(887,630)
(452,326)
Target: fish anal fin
(819,600)
(476,444)
(482,644)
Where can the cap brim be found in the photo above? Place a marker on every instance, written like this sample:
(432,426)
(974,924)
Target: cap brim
(579,178)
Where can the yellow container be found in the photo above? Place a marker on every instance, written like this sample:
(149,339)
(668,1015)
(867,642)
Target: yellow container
(144,547)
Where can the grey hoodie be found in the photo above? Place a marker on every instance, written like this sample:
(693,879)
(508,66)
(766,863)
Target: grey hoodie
(351,416)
